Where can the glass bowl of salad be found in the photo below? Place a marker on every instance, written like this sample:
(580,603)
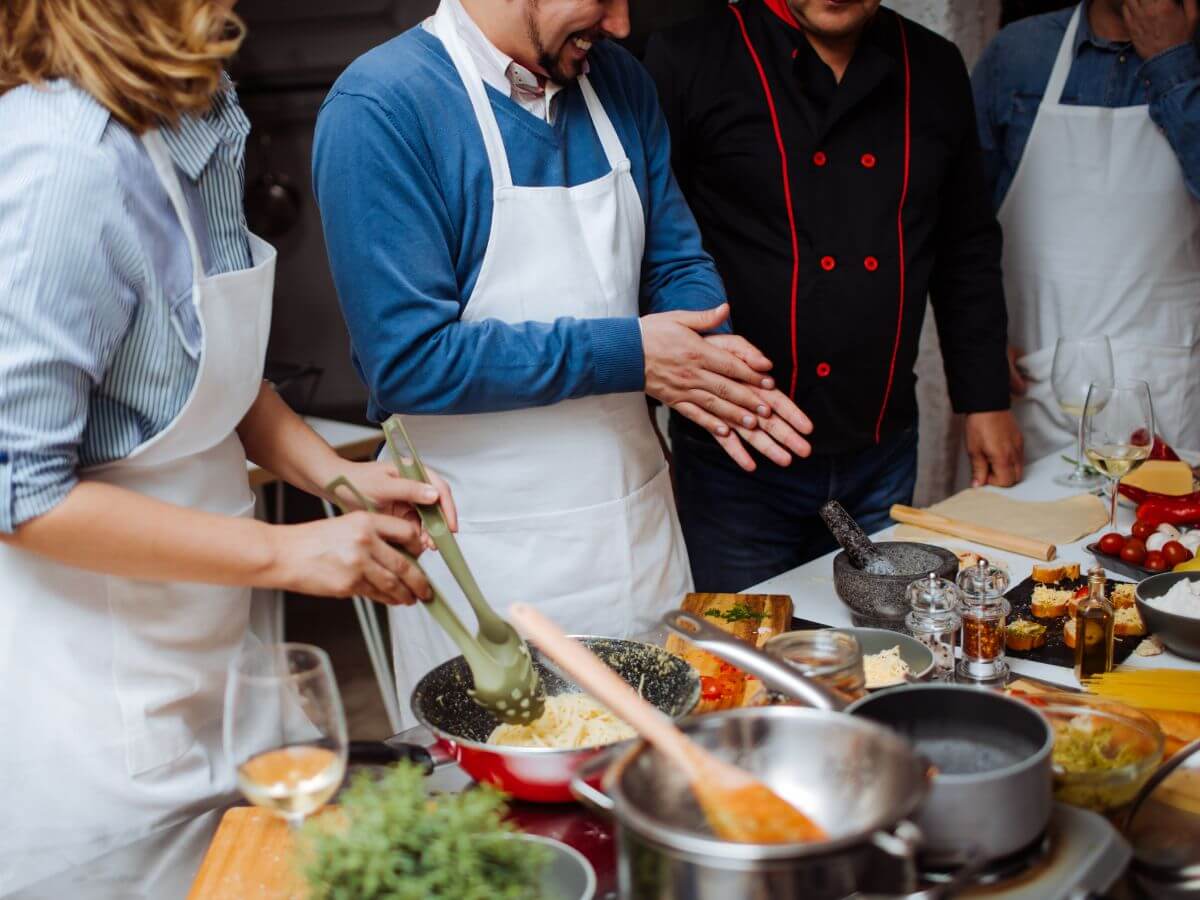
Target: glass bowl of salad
(1103,752)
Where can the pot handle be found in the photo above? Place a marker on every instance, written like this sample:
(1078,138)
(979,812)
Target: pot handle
(771,672)
(903,844)
(380,753)
(417,745)
(583,789)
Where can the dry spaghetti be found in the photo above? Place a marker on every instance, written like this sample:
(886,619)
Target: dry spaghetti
(1173,689)
(570,722)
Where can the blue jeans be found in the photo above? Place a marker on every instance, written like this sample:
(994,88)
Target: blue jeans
(745,527)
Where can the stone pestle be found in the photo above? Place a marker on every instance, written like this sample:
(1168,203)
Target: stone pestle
(862,553)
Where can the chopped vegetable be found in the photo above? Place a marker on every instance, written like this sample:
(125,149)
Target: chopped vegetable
(392,841)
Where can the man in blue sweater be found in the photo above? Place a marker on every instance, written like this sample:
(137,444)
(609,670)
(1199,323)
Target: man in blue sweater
(1090,124)
(518,270)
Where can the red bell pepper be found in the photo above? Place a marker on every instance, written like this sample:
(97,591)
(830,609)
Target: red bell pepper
(1160,510)
(1159,450)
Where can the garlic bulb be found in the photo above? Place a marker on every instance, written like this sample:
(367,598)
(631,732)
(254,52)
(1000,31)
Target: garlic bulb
(1170,530)
(1157,541)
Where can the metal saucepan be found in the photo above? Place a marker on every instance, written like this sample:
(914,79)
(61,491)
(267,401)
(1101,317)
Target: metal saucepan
(542,775)
(857,779)
(991,793)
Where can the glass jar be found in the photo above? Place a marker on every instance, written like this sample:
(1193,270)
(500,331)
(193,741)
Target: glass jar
(935,621)
(831,657)
(984,611)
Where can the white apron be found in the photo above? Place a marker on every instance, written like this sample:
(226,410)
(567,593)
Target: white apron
(566,506)
(113,687)
(1101,236)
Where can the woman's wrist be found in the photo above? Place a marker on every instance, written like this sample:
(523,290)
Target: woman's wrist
(319,469)
(272,564)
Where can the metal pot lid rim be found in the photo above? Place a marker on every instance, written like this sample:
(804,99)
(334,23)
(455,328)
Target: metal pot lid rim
(1034,759)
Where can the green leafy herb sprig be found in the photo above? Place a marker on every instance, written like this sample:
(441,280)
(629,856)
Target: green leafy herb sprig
(392,841)
(739,612)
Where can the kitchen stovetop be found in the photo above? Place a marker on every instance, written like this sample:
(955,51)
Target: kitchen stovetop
(1082,854)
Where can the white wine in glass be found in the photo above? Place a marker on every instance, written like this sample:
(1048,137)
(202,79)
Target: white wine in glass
(1118,422)
(1078,363)
(285,731)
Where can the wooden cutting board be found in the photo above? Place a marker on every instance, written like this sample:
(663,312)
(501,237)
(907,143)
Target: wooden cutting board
(251,857)
(769,615)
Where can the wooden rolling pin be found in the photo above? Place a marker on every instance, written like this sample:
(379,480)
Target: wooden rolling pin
(979,534)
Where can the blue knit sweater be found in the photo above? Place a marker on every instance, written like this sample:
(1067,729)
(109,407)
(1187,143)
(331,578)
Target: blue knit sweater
(405,193)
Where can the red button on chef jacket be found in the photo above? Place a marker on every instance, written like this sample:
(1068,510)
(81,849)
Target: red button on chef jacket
(828,263)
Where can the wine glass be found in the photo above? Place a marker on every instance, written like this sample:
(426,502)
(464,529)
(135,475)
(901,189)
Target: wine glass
(1078,363)
(285,731)
(1118,428)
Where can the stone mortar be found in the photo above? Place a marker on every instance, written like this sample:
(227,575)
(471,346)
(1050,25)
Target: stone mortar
(878,601)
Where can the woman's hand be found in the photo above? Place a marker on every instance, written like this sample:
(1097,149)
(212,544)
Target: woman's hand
(395,495)
(350,555)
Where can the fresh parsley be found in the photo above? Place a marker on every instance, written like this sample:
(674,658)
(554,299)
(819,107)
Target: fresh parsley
(739,612)
(390,840)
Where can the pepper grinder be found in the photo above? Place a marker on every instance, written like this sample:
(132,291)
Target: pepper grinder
(984,611)
(935,621)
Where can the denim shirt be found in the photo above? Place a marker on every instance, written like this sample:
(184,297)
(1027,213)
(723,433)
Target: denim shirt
(1010,80)
(99,339)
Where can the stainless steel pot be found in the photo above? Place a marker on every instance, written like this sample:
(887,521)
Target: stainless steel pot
(857,779)
(992,791)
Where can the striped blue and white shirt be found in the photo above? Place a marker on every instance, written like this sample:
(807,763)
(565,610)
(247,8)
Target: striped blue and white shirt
(99,341)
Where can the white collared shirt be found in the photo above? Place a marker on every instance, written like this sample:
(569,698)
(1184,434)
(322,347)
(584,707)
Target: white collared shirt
(500,70)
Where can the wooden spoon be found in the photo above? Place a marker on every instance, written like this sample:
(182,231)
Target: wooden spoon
(737,805)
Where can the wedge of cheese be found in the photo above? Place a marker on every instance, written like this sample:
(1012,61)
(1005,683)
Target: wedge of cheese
(1161,476)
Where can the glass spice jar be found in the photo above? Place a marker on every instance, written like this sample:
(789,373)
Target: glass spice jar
(984,611)
(935,621)
(831,657)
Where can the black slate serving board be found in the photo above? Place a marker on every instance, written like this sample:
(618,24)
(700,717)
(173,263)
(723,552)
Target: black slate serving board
(1054,651)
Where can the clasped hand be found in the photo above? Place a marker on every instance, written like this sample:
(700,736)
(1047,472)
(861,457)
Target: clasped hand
(720,382)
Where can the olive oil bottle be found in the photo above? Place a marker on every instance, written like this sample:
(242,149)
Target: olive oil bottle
(1094,629)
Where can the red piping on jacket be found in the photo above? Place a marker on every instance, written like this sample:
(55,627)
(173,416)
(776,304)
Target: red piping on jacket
(781,9)
(787,189)
(899,225)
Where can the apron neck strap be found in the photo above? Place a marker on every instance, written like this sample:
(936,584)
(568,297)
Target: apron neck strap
(1062,62)
(603,124)
(447,30)
(165,167)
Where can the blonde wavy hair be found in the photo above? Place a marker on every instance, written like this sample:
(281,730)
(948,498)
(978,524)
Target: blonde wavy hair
(145,60)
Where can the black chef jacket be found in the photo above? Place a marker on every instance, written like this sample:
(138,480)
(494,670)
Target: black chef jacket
(832,210)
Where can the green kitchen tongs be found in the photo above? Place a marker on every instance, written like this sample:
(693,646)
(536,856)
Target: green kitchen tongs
(506,681)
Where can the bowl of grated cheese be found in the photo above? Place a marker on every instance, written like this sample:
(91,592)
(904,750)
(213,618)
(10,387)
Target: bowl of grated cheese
(891,658)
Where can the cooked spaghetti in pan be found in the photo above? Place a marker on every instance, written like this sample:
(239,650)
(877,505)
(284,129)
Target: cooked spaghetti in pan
(570,722)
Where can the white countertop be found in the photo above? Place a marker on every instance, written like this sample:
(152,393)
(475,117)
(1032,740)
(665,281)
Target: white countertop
(811,585)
